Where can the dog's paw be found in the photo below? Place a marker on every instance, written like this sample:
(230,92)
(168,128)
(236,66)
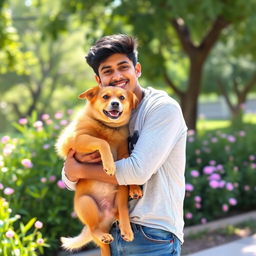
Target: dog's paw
(127,235)
(109,168)
(135,192)
(106,238)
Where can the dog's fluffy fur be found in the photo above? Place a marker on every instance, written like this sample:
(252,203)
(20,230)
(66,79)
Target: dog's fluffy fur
(102,126)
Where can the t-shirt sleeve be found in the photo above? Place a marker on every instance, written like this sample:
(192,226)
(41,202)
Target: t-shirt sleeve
(162,128)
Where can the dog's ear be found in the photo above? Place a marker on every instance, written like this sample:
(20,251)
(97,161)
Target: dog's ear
(89,94)
(134,100)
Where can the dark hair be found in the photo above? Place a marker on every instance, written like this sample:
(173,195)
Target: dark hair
(109,45)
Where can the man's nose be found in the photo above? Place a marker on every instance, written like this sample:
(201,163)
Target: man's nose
(117,75)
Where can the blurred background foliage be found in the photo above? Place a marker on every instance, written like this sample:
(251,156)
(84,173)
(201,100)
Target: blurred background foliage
(188,48)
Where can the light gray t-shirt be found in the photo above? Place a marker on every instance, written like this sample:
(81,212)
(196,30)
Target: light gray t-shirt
(157,162)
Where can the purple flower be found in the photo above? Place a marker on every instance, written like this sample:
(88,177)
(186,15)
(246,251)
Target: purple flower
(214,184)
(58,115)
(212,162)
(209,170)
(63,122)
(23,121)
(52,178)
(231,138)
(40,241)
(189,215)
(232,201)
(242,133)
(5,139)
(61,184)
(27,163)
(46,146)
(214,140)
(229,186)
(189,187)
(8,191)
(198,199)
(203,220)
(194,173)
(215,176)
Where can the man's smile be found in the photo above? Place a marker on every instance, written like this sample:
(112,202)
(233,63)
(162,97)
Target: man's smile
(122,83)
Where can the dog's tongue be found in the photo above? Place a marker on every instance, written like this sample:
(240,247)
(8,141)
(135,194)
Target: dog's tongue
(114,113)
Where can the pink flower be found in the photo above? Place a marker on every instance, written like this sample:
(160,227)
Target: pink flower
(1,186)
(63,122)
(61,184)
(229,186)
(191,132)
(8,191)
(214,184)
(225,207)
(232,201)
(198,199)
(9,234)
(40,241)
(70,111)
(242,133)
(43,179)
(73,215)
(247,188)
(231,138)
(45,117)
(189,215)
(189,187)
(58,115)
(23,121)
(222,183)
(5,139)
(52,178)
(38,224)
(194,173)
(215,176)
(27,163)
(209,169)
(214,140)
(212,162)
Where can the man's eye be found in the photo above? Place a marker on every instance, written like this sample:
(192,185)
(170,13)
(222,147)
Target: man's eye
(107,72)
(105,97)
(121,97)
(124,67)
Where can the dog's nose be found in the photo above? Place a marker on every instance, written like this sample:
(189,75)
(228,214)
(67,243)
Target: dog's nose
(115,104)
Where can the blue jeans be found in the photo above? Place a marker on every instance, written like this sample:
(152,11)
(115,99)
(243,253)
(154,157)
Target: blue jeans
(147,242)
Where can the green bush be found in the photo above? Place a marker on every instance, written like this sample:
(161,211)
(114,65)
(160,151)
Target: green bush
(220,176)
(15,241)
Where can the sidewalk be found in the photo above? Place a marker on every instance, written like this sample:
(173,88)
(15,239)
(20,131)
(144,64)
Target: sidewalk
(241,247)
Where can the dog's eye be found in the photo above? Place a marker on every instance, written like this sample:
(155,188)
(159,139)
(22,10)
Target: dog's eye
(105,97)
(121,97)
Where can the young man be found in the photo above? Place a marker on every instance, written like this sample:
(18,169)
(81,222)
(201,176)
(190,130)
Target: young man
(157,160)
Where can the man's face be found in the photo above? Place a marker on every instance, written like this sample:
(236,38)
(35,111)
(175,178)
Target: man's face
(118,70)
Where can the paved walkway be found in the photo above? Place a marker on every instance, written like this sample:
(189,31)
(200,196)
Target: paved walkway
(241,247)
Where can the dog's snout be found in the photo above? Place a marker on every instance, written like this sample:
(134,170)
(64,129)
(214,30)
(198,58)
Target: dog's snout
(115,104)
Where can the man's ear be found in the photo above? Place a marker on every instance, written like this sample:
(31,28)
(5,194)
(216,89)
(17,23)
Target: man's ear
(89,94)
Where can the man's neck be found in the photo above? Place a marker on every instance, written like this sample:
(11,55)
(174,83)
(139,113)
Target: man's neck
(139,92)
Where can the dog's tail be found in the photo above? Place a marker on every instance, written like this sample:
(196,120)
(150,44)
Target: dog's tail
(74,243)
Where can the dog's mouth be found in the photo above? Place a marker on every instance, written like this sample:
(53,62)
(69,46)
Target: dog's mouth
(113,114)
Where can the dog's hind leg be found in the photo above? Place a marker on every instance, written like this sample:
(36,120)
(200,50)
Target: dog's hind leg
(88,212)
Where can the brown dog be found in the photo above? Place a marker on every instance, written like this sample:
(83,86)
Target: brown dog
(102,126)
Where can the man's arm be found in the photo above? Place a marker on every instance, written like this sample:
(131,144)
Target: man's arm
(75,170)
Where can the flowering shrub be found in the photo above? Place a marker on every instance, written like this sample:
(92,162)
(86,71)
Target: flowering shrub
(30,176)
(220,176)
(22,241)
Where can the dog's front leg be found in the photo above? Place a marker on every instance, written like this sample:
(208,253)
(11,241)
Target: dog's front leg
(87,144)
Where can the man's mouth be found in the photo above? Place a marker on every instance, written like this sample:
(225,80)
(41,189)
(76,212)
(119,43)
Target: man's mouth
(121,83)
(113,114)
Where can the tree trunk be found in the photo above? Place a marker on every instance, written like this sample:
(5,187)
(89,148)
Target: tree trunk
(190,98)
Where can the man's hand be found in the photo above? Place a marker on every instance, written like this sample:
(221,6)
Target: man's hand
(88,158)
(73,165)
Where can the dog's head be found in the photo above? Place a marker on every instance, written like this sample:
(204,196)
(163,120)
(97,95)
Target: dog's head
(110,105)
